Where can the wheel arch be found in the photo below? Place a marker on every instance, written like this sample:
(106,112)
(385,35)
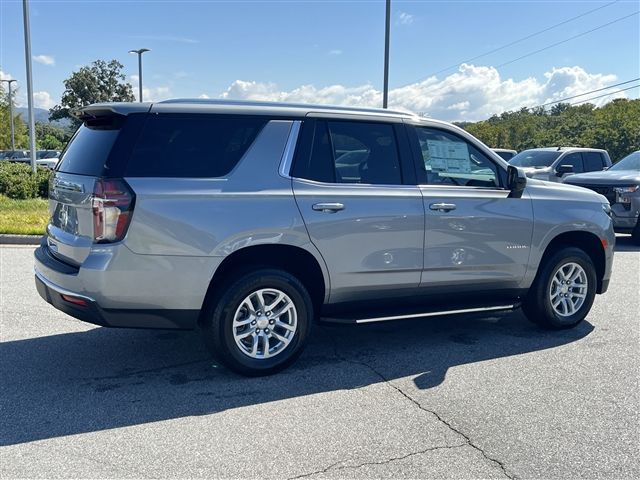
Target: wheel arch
(295,260)
(588,242)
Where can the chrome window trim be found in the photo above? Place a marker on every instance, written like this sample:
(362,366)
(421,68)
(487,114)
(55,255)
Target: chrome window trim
(289,150)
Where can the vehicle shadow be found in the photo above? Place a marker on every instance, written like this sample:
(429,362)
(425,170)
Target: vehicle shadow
(625,244)
(105,378)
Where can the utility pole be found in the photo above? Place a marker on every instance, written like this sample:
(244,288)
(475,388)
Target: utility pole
(27,54)
(387,28)
(140,52)
(13,135)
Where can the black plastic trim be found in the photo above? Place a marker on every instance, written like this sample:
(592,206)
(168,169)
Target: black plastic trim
(157,319)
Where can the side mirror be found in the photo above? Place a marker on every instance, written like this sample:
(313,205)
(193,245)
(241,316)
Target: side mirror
(562,169)
(516,181)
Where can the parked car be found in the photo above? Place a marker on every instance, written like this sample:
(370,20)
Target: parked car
(47,158)
(237,218)
(44,158)
(505,153)
(621,185)
(15,154)
(556,163)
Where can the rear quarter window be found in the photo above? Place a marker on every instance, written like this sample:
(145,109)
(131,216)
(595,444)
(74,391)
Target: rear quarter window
(88,151)
(192,146)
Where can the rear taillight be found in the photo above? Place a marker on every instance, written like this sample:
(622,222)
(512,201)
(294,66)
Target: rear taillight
(112,206)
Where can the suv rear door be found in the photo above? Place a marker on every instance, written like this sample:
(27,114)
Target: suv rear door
(355,187)
(476,237)
(98,149)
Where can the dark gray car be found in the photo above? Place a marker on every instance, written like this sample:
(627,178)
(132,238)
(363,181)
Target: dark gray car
(250,221)
(621,185)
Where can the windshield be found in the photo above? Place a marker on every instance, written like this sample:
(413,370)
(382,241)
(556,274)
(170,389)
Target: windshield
(535,158)
(630,162)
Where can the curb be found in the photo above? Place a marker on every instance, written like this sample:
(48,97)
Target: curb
(9,239)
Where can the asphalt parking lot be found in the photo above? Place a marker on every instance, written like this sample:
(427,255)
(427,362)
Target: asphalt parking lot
(433,398)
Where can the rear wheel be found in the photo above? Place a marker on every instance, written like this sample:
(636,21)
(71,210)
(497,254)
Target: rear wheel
(258,324)
(563,291)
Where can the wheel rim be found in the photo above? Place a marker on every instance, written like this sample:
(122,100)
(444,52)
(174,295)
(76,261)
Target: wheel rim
(265,323)
(568,289)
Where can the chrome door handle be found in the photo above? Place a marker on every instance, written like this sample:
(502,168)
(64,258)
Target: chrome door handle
(442,207)
(328,207)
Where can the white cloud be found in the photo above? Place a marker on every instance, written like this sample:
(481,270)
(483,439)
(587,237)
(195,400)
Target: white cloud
(153,94)
(335,52)
(203,95)
(43,99)
(45,59)
(405,18)
(473,93)
(5,76)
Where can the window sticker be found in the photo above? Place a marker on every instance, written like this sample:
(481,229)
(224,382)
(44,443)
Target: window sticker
(450,157)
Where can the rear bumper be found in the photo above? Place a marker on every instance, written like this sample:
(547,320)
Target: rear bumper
(91,312)
(55,279)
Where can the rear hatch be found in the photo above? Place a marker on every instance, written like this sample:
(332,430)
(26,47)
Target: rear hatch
(89,202)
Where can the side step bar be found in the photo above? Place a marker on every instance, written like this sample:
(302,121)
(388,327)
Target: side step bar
(436,313)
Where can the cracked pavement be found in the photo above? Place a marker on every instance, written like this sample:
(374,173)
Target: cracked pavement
(483,397)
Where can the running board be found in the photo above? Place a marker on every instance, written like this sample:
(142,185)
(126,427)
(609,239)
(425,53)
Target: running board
(438,313)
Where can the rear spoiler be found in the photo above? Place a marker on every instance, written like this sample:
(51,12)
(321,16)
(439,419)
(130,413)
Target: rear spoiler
(98,111)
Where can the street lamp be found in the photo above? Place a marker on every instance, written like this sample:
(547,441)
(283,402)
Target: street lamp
(27,57)
(387,28)
(13,137)
(140,52)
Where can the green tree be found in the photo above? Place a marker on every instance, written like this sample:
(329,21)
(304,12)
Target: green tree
(5,124)
(51,137)
(99,82)
(614,127)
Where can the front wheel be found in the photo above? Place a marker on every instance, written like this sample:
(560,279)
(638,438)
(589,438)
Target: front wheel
(259,323)
(563,291)
(635,235)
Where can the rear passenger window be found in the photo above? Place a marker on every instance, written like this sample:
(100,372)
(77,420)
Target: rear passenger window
(196,146)
(593,161)
(352,152)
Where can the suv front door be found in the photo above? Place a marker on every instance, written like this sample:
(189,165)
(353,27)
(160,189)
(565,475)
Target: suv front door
(354,184)
(476,237)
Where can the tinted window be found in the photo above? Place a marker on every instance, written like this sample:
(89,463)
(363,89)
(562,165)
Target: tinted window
(88,151)
(451,160)
(535,158)
(593,161)
(506,155)
(630,162)
(365,153)
(349,152)
(194,146)
(575,160)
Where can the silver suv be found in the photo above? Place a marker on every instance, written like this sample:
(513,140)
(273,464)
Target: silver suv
(557,163)
(250,221)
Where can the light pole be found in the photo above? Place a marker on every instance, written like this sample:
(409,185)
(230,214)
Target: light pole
(27,54)
(140,51)
(13,137)
(387,28)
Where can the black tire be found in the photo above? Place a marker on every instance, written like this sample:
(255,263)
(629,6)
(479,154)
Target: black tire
(537,304)
(635,235)
(217,322)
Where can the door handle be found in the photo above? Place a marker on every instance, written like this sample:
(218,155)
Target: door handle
(328,207)
(442,207)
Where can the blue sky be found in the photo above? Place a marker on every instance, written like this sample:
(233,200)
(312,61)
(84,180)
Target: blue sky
(332,51)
